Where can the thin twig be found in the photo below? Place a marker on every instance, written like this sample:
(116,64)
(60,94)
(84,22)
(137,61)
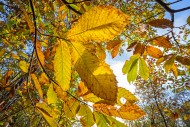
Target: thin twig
(70,7)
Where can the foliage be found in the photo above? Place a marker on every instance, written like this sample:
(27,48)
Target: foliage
(53,69)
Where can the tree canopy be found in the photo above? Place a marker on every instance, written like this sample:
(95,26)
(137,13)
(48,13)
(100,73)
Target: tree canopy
(53,70)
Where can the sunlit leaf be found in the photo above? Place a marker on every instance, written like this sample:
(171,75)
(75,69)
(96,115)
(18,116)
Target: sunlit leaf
(128,111)
(51,95)
(87,119)
(100,119)
(102,23)
(43,79)
(94,74)
(131,46)
(48,114)
(115,50)
(139,49)
(154,52)
(37,85)
(127,66)
(169,64)
(161,23)
(143,69)
(175,70)
(163,42)
(60,93)
(124,93)
(132,74)
(71,107)
(100,52)
(62,65)
(24,66)
(112,44)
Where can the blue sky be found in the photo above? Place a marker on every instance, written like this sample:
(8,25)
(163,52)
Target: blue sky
(118,62)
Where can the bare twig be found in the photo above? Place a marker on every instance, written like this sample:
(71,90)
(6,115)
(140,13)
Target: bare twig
(70,7)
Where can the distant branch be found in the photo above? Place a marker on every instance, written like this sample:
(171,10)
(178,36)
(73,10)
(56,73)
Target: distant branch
(70,7)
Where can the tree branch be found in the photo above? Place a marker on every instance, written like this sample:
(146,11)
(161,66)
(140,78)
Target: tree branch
(69,6)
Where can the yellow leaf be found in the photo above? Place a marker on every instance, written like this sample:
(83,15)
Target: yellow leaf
(48,114)
(169,63)
(163,42)
(143,69)
(62,65)
(128,111)
(40,53)
(175,70)
(43,79)
(24,66)
(102,23)
(51,95)
(161,23)
(60,93)
(154,52)
(87,119)
(97,76)
(71,107)
(37,85)
(123,93)
(100,52)
(82,89)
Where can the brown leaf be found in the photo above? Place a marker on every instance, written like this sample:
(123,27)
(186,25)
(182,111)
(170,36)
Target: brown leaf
(161,23)
(115,50)
(139,49)
(131,46)
(154,52)
(163,42)
(183,60)
(112,44)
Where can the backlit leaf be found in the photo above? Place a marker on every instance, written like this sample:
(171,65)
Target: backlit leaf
(132,74)
(24,66)
(51,95)
(37,85)
(154,52)
(115,50)
(175,70)
(100,119)
(124,93)
(131,46)
(169,63)
(87,119)
(94,74)
(161,23)
(127,66)
(112,44)
(143,69)
(115,123)
(71,107)
(183,60)
(100,52)
(60,93)
(139,49)
(48,114)
(102,23)
(62,65)
(128,111)
(163,42)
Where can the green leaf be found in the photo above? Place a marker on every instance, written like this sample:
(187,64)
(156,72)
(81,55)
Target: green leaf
(101,120)
(143,69)
(132,74)
(115,123)
(128,64)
